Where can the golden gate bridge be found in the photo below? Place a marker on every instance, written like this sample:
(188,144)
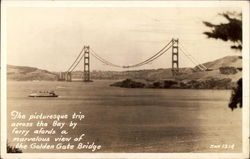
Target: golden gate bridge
(86,51)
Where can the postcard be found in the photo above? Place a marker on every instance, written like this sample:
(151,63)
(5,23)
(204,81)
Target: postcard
(125,79)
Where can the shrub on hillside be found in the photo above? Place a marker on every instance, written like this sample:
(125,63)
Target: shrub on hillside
(169,83)
(211,83)
(228,70)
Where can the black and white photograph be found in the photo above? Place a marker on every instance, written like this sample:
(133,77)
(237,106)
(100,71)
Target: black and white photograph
(125,79)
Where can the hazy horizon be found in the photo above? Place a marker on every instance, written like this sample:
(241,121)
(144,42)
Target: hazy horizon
(118,70)
(51,38)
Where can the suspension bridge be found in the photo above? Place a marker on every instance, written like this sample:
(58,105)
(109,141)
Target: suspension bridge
(174,45)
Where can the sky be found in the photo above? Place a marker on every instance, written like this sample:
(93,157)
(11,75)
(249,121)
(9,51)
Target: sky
(51,37)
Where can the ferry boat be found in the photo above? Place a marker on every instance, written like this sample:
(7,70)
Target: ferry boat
(43,94)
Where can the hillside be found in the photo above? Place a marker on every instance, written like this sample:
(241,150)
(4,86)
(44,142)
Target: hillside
(24,73)
(228,61)
(221,74)
(226,67)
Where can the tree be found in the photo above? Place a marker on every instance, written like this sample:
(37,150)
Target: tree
(236,98)
(12,149)
(230,31)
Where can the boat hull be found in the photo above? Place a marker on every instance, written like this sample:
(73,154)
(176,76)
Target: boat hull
(42,96)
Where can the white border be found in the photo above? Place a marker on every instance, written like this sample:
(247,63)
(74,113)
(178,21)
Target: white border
(245,52)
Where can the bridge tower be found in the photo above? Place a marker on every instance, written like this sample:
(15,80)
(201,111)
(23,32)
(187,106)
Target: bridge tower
(175,57)
(86,73)
(68,76)
(61,76)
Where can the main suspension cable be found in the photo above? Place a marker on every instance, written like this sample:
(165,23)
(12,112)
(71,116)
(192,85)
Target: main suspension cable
(188,56)
(75,61)
(92,52)
(152,58)
(186,53)
(149,60)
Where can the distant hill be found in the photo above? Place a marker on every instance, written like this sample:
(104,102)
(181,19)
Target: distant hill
(216,69)
(227,67)
(149,74)
(24,73)
(228,61)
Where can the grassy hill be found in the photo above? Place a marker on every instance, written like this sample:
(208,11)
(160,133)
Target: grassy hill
(24,73)
(226,67)
(228,61)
